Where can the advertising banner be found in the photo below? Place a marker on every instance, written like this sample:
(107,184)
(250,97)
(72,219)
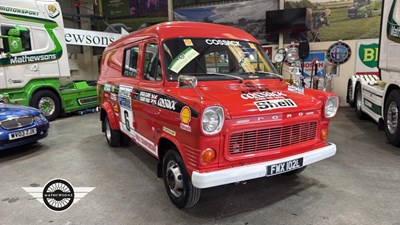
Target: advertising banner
(136,8)
(314,57)
(246,15)
(332,20)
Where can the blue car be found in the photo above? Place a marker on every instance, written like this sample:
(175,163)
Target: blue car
(21,125)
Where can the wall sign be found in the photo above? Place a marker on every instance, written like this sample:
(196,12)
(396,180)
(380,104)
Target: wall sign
(309,66)
(367,58)
(339,53)
(91,38)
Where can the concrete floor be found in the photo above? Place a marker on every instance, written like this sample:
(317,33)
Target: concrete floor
(360,185)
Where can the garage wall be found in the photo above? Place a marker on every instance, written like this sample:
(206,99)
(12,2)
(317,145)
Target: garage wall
(83,65)
(346,70)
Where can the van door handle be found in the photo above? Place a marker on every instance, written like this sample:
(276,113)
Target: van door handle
(34,67)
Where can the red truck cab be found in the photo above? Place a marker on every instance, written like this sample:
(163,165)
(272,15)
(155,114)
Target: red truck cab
(205,100)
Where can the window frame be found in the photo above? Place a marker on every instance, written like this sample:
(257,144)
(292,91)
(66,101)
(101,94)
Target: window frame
(156,57)
(124,61)
(6,47)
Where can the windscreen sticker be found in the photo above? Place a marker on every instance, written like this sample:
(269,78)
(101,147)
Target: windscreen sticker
(275,104)
(188,42)
(265,95)
(183,59)
(222,42)
(252,46)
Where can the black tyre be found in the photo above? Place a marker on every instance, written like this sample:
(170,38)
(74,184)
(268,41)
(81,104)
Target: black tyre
(177,182)
(349,94)
(358,103)
(294,172)
(48,102)
(391,118)
(113,136)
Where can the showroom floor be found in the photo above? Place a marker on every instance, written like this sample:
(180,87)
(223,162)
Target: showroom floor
(359,185)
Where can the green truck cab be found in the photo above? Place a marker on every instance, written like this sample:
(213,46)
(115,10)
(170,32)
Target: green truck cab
(33,59)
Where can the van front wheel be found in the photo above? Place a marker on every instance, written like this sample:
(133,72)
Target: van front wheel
(177,182)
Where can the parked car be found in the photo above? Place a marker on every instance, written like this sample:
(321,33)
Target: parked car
(21,125)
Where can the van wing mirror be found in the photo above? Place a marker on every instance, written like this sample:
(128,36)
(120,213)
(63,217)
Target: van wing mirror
(185,81)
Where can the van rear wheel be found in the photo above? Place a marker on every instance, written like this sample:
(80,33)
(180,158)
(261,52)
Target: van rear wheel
(113,136)
(177,182)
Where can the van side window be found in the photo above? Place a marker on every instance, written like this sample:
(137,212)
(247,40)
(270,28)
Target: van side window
(130,62)
(152,66)
(16,39)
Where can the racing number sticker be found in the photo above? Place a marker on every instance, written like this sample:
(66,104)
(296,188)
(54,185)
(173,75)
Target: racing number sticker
(128,127)
(126,115)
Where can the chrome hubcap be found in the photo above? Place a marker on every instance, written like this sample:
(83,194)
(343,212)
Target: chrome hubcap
(392,117)
(108,131)
(47,105)
(174,179)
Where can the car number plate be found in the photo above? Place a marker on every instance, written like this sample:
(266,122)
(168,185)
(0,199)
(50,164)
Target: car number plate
(284,167)
(21,134)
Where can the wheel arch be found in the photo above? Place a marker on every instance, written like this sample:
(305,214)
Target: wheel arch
(108,110)
(164,144)
(46,88)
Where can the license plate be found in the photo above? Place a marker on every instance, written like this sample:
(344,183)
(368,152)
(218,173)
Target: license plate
(284,167)
(21,134)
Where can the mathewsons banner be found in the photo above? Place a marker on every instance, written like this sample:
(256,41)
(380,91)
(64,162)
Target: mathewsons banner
(367,57)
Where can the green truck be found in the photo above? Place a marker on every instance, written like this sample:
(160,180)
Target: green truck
(33,59)
(365,8)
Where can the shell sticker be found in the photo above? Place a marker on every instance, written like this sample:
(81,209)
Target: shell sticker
(186,116)
(188,42)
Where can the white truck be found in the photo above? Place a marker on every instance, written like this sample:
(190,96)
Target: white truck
(33,58)
(378,96)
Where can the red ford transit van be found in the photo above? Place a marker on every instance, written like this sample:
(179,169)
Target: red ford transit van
(205,100)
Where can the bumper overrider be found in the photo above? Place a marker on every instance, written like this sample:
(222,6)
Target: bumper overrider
(248,172)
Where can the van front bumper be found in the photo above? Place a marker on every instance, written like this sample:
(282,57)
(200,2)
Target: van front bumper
(248,172)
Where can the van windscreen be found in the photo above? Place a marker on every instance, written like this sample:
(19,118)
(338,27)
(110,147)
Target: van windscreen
(216,59)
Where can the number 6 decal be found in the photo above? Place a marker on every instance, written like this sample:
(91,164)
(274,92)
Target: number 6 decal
(128,127)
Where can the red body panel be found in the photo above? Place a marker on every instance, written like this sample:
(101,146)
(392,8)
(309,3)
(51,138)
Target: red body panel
(152,122)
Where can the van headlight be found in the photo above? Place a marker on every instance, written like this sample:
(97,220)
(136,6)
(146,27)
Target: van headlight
(331,106)
(212,120)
